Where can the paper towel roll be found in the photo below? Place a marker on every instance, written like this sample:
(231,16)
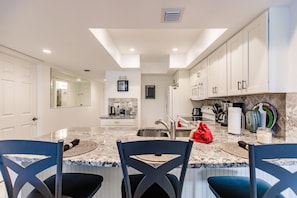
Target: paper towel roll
(234,120)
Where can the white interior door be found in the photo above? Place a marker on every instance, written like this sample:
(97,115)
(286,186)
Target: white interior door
(18,98)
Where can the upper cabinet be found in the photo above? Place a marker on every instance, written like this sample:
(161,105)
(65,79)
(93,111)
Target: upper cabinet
(217,72)
(198,79)
(253,61)
(247,59)
(257,55)
(237,68)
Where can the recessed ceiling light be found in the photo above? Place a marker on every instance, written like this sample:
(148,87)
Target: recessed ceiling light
(132,49)
(46,51)
(175,49)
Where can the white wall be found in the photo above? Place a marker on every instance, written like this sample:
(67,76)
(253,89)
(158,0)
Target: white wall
(111,91)
(50,120)
(292,59)
(153,109)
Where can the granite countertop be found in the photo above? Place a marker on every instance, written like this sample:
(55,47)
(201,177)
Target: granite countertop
(106,154)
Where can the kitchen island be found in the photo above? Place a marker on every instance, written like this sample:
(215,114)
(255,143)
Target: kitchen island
(205,159)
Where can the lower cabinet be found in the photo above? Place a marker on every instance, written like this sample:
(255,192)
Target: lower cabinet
(118,122)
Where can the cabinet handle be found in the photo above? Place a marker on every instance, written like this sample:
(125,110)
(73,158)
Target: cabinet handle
(116,122)
(239,86)
(244,84)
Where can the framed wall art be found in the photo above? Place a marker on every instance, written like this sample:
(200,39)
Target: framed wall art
(123,85)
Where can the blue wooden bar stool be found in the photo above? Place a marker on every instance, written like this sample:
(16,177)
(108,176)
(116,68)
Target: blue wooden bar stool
(44,155)
(154,179)
(264,158)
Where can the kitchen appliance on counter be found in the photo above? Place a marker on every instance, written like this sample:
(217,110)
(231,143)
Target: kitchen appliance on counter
(196,112)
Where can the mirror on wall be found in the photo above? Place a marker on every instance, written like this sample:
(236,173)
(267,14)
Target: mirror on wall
(68,90)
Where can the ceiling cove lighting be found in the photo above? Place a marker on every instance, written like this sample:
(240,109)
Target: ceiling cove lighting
(123,60)
(47,51)
(175,49)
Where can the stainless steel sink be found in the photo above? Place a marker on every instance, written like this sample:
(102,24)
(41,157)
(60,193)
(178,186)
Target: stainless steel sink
(182,132)
(153,132)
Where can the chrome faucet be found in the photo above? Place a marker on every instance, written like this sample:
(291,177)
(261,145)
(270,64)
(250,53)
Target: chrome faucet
(171,130)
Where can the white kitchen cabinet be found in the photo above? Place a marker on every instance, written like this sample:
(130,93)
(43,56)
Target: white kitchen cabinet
(257,56)
(198,78)
(237,66)
(118,122)
(247,59)
(257,71)
(194,83)
(217,72)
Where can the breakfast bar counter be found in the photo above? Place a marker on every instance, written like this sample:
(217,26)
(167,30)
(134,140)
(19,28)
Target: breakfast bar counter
(205,160)
(106,154)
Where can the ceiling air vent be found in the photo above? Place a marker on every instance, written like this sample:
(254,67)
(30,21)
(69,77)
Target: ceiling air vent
(170,15)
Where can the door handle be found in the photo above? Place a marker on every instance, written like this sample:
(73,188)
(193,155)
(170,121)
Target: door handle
(34,119)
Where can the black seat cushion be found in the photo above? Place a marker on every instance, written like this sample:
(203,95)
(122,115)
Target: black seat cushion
(76,185)
(154,191)
(236,186)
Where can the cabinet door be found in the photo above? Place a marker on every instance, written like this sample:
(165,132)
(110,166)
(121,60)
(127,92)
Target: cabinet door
(194,83)
(211,74)
(217,73)
(257,59)
(236,65)
(202,80)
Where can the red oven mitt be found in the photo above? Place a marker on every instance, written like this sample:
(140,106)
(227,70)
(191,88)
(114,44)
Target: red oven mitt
(202,134)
